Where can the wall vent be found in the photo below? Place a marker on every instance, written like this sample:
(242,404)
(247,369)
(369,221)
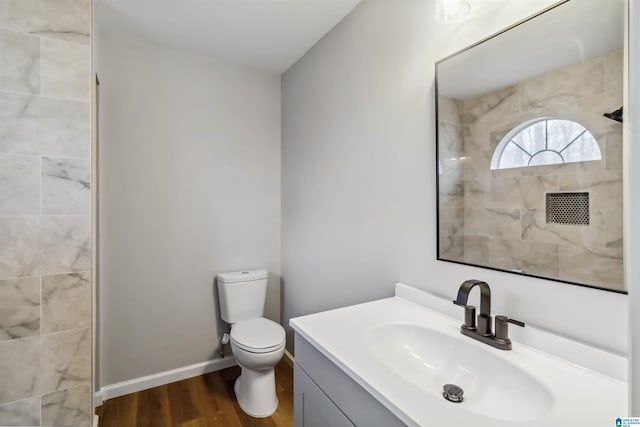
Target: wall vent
(568,208)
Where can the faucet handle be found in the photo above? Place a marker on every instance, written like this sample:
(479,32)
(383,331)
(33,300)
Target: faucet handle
(515,322)
(503,320)
(502,327)
(469,316)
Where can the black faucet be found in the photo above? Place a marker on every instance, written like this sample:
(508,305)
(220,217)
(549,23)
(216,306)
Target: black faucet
(482,332)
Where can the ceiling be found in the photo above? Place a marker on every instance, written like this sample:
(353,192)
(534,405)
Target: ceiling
(266,34)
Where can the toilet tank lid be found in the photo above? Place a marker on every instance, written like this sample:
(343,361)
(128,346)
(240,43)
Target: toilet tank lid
(242,276)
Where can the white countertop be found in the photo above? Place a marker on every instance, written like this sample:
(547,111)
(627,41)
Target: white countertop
(580,396)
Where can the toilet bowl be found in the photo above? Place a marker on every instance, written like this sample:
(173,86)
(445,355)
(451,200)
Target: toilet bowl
(257,343)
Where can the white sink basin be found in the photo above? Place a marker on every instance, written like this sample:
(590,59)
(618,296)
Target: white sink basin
(403,353)
(429,359)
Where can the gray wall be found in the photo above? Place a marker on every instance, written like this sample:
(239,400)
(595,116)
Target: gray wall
(358,193)
(45,206)
(189,187)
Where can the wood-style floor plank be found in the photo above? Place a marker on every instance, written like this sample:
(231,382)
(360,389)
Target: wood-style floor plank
(204,401)
(180,404)
(153,408)
(120,412)
(216,393)
(197,422)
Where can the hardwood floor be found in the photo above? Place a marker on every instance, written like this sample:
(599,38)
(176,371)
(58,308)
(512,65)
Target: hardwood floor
(204,401)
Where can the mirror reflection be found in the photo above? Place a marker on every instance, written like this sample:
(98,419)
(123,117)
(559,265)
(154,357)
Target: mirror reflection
(530,147)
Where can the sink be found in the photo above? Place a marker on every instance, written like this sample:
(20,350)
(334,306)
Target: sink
(402,350)
(429,359)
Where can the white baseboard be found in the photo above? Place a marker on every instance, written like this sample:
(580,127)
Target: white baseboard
(97,399)
(289,356)
(142,383)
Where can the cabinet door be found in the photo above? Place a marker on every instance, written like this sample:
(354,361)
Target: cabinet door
(312,408)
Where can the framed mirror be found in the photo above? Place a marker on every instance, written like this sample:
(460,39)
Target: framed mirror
(529,147)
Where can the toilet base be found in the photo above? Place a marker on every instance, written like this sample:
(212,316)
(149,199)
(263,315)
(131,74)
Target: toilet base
(256,392)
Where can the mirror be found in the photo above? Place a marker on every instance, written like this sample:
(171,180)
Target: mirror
(530,147)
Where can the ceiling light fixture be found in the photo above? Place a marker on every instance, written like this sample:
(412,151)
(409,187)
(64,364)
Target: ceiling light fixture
(448,11)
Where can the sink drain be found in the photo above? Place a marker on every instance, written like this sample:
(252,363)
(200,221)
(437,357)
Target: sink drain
(452,393)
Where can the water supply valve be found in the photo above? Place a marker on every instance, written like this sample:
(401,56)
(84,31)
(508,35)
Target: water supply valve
(225,338)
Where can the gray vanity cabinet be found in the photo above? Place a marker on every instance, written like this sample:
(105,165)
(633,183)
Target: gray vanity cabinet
(325,396)
(312,407)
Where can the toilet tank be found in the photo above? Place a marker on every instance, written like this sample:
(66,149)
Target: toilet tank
(242,295)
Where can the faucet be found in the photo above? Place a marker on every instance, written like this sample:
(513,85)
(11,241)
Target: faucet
(482,332)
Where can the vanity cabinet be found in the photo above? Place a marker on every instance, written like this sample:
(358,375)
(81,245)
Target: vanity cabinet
(325,396)
(313,408)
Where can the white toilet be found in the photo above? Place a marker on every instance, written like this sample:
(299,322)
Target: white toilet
(256,342)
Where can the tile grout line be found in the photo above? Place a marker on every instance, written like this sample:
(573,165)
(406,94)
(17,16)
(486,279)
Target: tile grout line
(44,335)
(41,308)
(48,97)
(55,39)
(40,186)
(45,275)
(41,395)
(33,276)
(42,36)
(44,155)
(40,53)
(45,216)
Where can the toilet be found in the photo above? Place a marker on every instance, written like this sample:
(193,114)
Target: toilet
(257,343)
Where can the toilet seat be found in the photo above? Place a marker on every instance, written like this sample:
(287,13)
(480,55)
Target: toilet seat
(257,350)
(258,335)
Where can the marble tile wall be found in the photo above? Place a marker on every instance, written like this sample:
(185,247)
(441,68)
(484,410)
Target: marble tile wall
(504,222)
(45,230)
(450,184)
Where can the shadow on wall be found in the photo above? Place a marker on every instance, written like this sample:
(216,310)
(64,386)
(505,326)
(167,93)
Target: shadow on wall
(222,326)
(289,334)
